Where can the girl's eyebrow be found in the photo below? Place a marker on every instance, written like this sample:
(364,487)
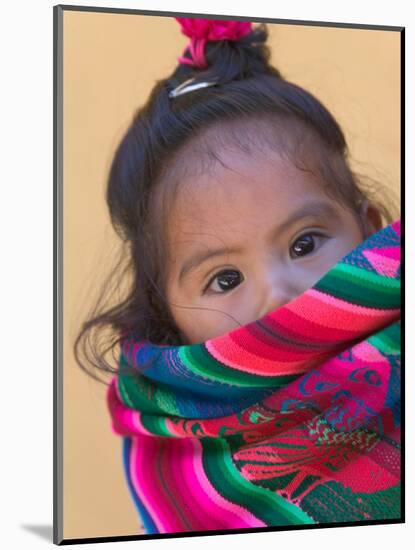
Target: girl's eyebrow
(202,255)
(316,208)
(312,208)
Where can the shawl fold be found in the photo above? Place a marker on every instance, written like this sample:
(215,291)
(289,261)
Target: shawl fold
(292,419)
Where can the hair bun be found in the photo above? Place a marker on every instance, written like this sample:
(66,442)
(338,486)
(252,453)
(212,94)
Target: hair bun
(214,29)
(223,50)
(202,31)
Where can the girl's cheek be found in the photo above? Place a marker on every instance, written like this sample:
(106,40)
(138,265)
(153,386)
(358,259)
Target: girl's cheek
(244,303)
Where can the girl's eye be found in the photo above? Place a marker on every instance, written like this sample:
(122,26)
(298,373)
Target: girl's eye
(304,245)
(224,281)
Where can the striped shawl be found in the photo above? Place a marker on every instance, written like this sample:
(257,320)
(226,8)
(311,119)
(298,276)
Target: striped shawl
(293,419)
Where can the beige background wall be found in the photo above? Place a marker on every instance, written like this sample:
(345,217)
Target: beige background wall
(111,62)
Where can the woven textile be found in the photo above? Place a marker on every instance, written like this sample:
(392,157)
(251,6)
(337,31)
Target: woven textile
(292,419)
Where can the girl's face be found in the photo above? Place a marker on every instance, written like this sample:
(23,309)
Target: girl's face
(248,237)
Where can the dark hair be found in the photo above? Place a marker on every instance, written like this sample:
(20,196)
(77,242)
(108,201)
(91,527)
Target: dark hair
(249,88)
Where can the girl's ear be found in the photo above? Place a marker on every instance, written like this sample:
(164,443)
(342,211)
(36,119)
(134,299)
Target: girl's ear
(371,217)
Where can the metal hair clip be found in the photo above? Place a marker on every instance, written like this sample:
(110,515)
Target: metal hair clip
(187,86)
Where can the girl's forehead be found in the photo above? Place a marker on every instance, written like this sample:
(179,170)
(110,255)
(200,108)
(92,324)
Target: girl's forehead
(240,189)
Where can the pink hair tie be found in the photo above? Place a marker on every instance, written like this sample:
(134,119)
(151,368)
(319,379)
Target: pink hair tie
(201,31)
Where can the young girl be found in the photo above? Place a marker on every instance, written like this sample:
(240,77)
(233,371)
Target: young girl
(232,192)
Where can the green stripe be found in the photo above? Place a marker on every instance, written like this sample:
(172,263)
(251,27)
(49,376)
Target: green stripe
(144,395)
(304,485)
(198,359)
(372,278)
(288,446)
(271,508)
(361,287)
(387,340)
(155,424)
(133,395)
(125,396)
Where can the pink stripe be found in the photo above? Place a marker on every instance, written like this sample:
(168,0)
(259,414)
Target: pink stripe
(138,425)
(396,225)
(141,458)
(278,352)
(181,505)
(125,421)
(120,414)
(296,327)
(250,362)
(193,501)
(155,455)
(184,489)
(341,314)
(234,516)
(367,352)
